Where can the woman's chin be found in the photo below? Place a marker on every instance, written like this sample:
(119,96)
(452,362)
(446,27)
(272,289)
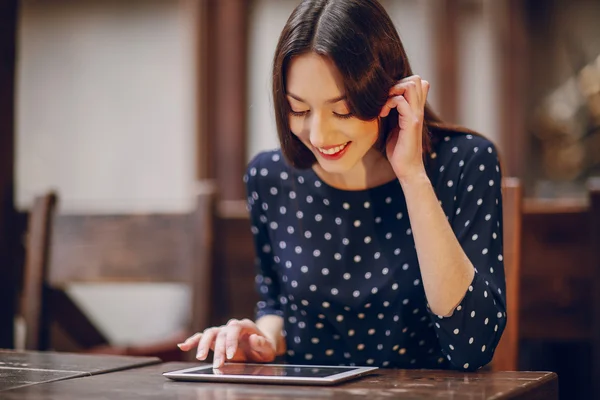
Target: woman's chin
(337,166)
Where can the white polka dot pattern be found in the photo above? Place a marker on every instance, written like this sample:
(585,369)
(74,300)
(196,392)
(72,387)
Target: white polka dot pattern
(342,269)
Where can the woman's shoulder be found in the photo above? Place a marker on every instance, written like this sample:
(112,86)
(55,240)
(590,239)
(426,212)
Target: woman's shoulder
(267,165)
(465,147)
(266,157)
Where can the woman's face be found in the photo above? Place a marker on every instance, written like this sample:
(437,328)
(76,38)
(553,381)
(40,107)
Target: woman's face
(320,117)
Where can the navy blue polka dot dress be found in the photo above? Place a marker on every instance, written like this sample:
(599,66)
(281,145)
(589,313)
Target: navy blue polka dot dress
(341,266)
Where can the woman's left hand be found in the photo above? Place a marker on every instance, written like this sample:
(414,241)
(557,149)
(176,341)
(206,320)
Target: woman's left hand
(404,148)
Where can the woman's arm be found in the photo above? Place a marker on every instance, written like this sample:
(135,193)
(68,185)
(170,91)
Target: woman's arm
(269,314)
(460,256)
(470,329)
(445,268)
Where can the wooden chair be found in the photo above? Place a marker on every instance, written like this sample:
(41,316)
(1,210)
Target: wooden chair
(63,249)
(559,285)
(506,356)
(593,186)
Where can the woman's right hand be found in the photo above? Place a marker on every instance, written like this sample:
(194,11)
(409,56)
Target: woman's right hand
(239,340)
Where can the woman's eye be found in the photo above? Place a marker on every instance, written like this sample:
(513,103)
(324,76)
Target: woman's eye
(298,113)
(305,113)
(343,116)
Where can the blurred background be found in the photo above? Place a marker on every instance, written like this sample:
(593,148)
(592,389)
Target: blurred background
(122,108)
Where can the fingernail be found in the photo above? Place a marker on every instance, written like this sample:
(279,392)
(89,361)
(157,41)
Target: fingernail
(200,354)
(230,353)
(179,345)
(216,362)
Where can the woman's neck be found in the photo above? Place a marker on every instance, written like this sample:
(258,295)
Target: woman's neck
(373,170)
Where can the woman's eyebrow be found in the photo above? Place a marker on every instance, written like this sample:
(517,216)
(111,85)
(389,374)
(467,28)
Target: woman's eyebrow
(330,101)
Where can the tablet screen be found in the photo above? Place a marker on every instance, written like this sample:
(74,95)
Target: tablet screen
(273,370)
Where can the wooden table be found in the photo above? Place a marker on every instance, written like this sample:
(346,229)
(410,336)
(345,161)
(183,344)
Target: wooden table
(147,383)
(19,369)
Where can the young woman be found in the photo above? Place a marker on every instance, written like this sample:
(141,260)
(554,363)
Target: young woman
(377,227)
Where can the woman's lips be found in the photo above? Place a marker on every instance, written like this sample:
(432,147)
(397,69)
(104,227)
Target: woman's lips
(333,152)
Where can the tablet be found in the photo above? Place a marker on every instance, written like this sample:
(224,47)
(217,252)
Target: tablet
(270,373)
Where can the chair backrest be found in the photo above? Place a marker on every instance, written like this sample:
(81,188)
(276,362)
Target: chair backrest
(235,295)
(64,249)
(594,197)
(556,271)
(35,271)
(506,354)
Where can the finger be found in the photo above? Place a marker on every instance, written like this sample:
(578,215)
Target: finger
(425,87)
(261,348)
(405,112)
(413,95)
(419,87)
(405,85)
(206,342)
(396,90)
(408,91)
(390,104)
(412,85)
(400,104)
(219,351)
(190,342)
(231,341)
(385,110)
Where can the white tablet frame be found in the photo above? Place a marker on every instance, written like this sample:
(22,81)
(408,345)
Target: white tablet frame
(181,375)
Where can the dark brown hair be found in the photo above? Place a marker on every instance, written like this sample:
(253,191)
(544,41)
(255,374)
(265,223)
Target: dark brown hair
(360,39)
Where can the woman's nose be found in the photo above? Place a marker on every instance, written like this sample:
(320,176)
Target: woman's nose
(318,132)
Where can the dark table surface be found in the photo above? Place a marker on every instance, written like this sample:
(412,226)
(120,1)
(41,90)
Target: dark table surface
(148,383)
(19,369)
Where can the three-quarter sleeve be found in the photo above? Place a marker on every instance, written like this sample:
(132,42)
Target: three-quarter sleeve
(470,335)
(266,279)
